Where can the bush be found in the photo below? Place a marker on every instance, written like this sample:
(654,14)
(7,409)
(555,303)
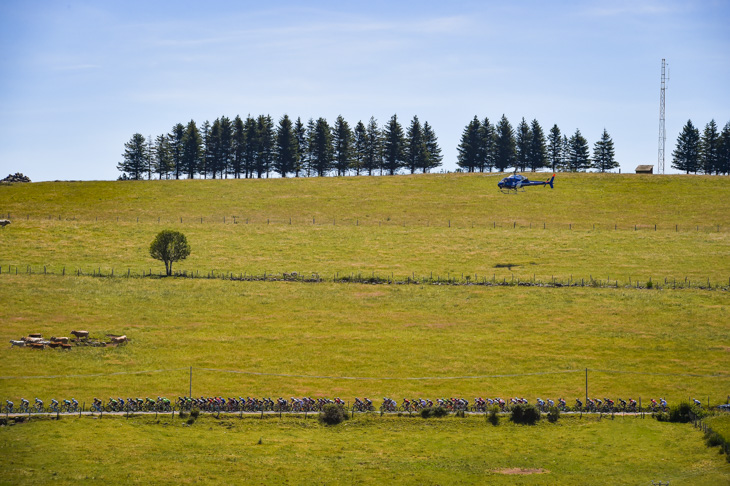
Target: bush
(493,417)
(682,413)
(553,415)
(525,414)
(194,413)
(437,412)
(191,420)
(713,439)
(332,414)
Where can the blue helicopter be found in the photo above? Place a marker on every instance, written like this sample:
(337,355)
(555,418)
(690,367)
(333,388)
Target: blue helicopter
(517,181)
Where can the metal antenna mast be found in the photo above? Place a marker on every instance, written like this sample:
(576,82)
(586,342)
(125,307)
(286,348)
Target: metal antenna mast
(662,129)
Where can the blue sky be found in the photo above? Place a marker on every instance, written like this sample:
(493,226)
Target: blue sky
(78,78)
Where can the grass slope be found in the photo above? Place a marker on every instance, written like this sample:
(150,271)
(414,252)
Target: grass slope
(365,450)
(353,330)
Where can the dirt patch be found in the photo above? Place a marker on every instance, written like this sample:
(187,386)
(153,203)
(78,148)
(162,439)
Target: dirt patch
(519,470)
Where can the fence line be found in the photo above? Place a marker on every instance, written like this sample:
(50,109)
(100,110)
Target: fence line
(371,378)
(376,279)
(357,221)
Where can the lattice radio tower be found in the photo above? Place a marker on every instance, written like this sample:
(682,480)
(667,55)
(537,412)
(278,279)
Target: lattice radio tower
(662,119)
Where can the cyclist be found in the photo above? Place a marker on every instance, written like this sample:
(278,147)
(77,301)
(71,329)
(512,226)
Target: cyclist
(10,406)
(54,405)
(697,402)
(24,405)
(38,404)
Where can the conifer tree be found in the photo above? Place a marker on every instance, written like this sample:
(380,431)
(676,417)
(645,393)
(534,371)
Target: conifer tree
(134,162)
(522,145)
(393,146)
(286,147)
(162,163)
(205,159)
(537,156)
(321,148)
(578,155)
(488,143)
(311,132)
(265,129)
(360,143)
(686,155)
(213,152)
(238,146)
(342,145)
(226,147)
(373,147)
(504,145)
(416,154)
(709,149)
(192,149)
(555,148)
(433,151)
(300,134)
(471,148)
(603,154)
(724,150)
(176,148)
(251,146)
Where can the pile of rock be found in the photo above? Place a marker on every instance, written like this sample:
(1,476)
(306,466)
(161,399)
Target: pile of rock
(17,177)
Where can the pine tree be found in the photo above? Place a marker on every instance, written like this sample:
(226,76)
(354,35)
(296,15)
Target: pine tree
(300,133)
(265,129)
(176,148)
(504,146)
(578,156)
(360,143)
(709,149)
(163,158)
(286,147)
(537,156)
(433,151)
(522,145)
(488,146)
(603,154)
(251,146)
(342,144)
(373,147)
(192,149)
(471,148)
(393,146)
(226,147)
(134,163)
(724,150)
(565,151)
(150,156)
(321,148)
(213,152)
(686,156)
(205,134)
(311,132)
(415,156)
(238,146)
(555,148)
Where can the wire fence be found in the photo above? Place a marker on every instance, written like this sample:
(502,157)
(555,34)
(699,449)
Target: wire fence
(373,278)
(355,221)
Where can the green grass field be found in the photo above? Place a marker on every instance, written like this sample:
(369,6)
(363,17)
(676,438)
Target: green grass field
(365,450)
(290,336)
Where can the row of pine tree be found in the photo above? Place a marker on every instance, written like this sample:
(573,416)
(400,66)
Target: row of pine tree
(255,148)
(708,153)
(485,147)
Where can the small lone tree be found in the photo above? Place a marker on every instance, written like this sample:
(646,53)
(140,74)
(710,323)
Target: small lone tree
(169,246)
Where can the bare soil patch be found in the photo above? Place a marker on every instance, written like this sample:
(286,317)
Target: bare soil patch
(519,470)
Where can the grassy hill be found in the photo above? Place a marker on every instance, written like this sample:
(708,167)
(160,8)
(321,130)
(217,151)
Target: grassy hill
(347,340)
(590,226)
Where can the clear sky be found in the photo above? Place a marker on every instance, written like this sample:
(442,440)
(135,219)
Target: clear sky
(78,78)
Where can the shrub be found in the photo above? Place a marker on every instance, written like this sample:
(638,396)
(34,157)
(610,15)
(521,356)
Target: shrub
(682,413)
(493,417)
(191,420)
(713,439)
(440,412)
(553,415)
(426,412)
(183,415)
(194,413)
(525,414)
(332,414)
